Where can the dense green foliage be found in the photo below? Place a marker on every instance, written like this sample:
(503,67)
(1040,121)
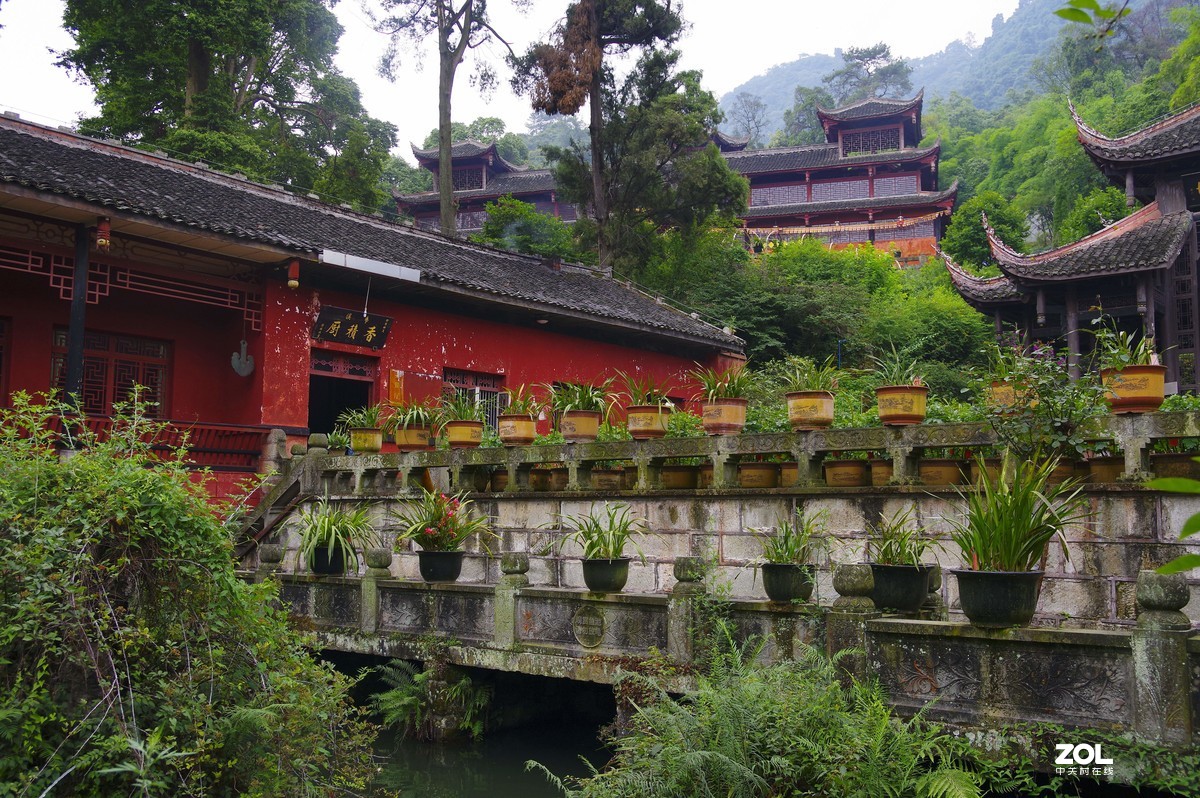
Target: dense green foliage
(967,242)
(516,225)
(246,85)
(132,657)
(869,72)
(789,729)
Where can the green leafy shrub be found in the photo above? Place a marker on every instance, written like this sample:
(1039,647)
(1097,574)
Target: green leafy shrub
(132,657)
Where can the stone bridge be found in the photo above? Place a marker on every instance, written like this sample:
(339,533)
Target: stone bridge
(1111,648)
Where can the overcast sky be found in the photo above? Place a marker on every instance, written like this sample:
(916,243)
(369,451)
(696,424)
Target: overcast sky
(730,41)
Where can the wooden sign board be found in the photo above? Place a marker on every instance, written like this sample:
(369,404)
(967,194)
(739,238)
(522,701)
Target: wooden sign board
(351,327)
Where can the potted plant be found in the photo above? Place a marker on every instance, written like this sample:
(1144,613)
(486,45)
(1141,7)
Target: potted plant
(339,441)
(1050,420)
(441,525)
(609,475)
(682,472)
(789,552)
(902,394)
(363,424)
(331,534)
(647,408)
(1129,368)
(603,540)
(517,425)
(1004,536)
(810,387)
(581,408)
(723,394)
(461,417)
(411,424)
(1000,388)
(850,471)
(895,548)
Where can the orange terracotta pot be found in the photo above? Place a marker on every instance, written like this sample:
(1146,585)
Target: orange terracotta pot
(810,409)
(1134,389)
(366,440)
(646,422)
(846,473)
(415,439)
(607,478)
(725,416)
(881,472)
(940,471)
(679,477)
(464,434)
(789,474)
(758,475)
(1105,469)
(579,426)
(516,430)
(901,405)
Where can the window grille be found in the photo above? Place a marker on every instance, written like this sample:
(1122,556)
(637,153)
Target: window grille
(868,141)
(465,179)
(112,366)
(487,389)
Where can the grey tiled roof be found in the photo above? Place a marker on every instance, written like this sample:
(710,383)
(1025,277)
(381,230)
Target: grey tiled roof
(515,183)
(815,156)
(871,107)
(137,184)
(469,149)
(863,203)
(1142,241)
(982,291)
(1173,136)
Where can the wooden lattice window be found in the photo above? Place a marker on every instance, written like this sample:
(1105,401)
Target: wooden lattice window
(867,141)
(465,179)
(112,365)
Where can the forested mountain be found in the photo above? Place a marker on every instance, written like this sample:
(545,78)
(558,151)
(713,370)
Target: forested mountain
(984,73)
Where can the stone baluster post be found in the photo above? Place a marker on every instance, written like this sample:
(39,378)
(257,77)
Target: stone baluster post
(1163,712)
(514,575)
(379,561)
(934,608)
(681,609)
(845,624)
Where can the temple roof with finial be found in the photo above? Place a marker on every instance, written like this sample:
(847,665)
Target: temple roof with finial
(467,149)
(1173,137)
(729,143)
(1143,241)
(873,108)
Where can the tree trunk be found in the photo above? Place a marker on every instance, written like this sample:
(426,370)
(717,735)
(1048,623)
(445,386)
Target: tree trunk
(450,55)
(199,67)
(595,128)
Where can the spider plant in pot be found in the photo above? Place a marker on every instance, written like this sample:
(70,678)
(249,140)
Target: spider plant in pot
(647,408)
(603,538)
(581,407)
(723,397)
(441,525)
(1005,534)
(902,393)
(789,554)
(810,386)
(331,534)
(339,441)
(895,548)
(412,424)
(517,425)
(364,425)
(1129,368)
(461,417)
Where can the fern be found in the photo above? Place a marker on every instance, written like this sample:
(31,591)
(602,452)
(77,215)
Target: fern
(948,782)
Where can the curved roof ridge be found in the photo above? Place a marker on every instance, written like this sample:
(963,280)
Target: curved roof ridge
(900,103)
(1136,136)
(990,290)
(1006,254)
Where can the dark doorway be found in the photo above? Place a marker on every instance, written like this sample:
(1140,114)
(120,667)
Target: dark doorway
(329,396)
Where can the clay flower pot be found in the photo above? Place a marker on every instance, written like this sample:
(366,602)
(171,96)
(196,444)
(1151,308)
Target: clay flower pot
(901,405)
(516,430)
(464,434)
(725,416)
(810,409)
(1135,389)
(579,426)
(646,422)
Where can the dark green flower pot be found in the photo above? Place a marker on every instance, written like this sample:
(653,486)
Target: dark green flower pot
(902,588)
(606,576)
(326,563)
(787,581)
(440,566)
(998,599)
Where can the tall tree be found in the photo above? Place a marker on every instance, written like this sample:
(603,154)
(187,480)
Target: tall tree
(801,125)
(563,74)
(458,26)
(248,85)
(869,72)
(749,116)
(657,166)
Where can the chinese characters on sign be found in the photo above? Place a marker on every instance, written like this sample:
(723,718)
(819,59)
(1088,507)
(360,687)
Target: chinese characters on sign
(351,327)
